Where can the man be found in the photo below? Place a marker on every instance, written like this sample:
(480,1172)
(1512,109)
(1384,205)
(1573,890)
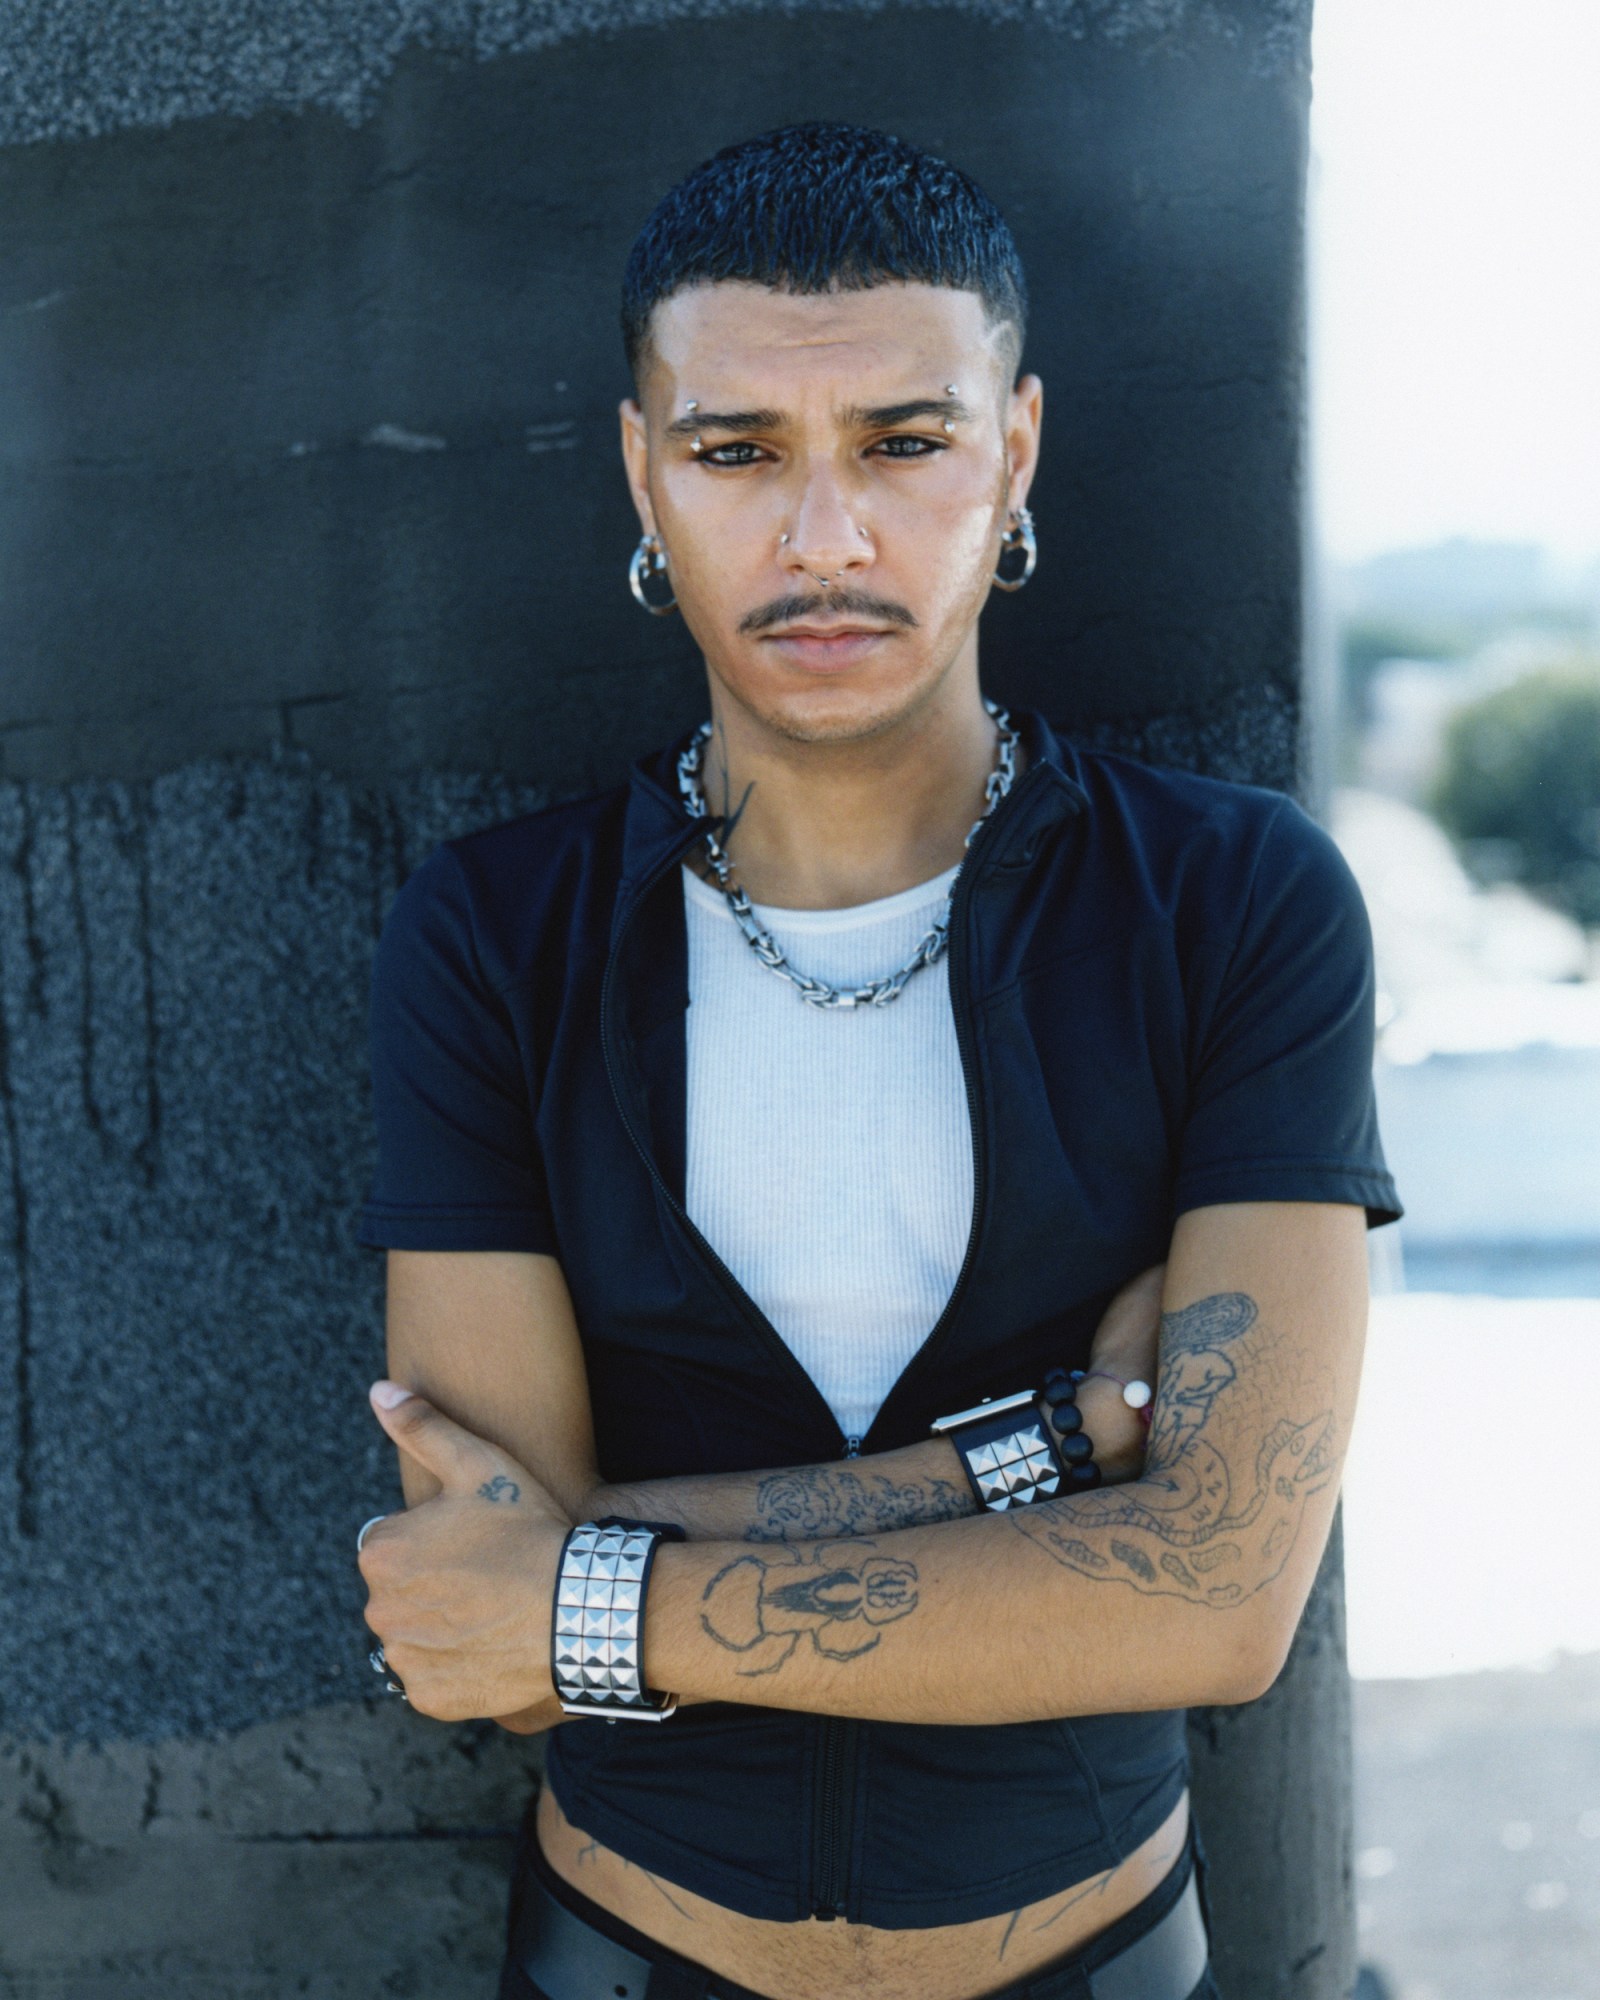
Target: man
(710,1168)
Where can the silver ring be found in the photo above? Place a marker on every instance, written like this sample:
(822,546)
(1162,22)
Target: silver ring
(365,1526)
(380,1665)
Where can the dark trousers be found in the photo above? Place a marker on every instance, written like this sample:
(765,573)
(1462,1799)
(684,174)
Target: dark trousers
(675,1978)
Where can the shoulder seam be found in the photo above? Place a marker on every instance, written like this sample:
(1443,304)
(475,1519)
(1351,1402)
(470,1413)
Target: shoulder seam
(1255,875)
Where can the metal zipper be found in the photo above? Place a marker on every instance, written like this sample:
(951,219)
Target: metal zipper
(833,1818)
(832,1813)
(961,1011)
(833,1822)
(777,1347)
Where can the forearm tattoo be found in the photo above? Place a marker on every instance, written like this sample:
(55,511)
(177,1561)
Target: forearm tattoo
(1201,1523)
(836,1594)
(816,1500)
(501,1488)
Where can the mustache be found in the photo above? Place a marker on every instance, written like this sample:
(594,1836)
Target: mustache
(857,603)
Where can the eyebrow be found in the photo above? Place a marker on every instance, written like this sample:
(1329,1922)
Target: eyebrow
(882,416)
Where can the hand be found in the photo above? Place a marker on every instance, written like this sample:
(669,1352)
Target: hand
(461,1585)
(1126,1344)
(1127,1341)
(536,1720)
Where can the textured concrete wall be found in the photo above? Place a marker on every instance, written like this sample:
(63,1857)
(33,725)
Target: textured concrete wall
(311,427)
(312,550)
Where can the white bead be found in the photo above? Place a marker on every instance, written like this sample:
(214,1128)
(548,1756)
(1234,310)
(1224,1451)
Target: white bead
(1136,1395)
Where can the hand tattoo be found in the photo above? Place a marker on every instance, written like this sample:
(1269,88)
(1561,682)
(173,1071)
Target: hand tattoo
(1178,1531)
(831,1593)
(500,1488)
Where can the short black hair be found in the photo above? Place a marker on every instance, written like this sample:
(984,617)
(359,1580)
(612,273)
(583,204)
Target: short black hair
(820,206)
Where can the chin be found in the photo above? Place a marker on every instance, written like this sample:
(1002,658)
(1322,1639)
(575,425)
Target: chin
(835,714)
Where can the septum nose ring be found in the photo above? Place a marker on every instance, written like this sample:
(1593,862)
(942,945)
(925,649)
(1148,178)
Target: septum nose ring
(827,582)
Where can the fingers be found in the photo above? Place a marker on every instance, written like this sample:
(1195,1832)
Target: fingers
(455,1456)
(1131,1324)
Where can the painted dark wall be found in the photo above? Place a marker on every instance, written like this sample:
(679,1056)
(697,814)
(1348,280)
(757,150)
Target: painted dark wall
(313,540)
(311,429)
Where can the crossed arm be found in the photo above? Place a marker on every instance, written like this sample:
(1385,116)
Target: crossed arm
(1182,1585)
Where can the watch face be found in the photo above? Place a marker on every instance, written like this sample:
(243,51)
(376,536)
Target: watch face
(995,1406)
(607,1712)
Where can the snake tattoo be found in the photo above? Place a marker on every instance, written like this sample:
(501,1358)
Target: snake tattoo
(1181,1529)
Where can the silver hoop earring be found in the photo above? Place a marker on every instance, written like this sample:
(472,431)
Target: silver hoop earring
(649,558)
(1018,535)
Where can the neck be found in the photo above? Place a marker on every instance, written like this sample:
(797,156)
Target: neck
(820,826)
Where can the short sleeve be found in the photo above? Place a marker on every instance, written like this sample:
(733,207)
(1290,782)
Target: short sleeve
(458,1165)
(1281,1104)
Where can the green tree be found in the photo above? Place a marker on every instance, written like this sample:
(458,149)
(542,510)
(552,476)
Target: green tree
(1521,770)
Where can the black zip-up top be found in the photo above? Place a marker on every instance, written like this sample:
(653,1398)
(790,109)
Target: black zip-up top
(1162,996)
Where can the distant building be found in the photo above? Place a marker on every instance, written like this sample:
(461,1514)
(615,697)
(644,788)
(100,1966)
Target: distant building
(1459,580)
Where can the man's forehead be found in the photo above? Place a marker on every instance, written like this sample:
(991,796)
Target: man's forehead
(733,337)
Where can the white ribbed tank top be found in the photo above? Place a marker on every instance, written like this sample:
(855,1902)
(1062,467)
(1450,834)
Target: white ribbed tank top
(829,1153)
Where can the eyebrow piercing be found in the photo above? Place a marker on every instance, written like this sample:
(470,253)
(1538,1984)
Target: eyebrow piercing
(691,407)
(949,426)
(699,443)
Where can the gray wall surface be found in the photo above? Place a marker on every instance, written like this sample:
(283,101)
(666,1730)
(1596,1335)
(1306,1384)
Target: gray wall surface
(313,542)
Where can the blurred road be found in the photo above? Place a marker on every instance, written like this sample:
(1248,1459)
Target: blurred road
(1472,1537)
(1478,1833)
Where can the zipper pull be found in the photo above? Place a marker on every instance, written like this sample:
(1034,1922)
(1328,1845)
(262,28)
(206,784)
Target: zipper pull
(852,1447)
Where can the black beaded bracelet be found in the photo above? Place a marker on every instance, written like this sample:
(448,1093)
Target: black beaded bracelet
(1073,1443)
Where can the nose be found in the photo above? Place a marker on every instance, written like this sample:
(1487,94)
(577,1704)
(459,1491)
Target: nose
(824,539)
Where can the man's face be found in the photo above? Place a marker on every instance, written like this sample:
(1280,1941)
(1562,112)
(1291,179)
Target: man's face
(823,418)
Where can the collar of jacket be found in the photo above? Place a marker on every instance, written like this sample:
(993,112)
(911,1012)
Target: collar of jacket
(658,832)
(646,987)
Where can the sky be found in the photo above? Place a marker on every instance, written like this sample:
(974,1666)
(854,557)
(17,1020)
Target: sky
(1455,285)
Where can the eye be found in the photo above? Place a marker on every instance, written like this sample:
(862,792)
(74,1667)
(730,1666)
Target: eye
(926,446)
(713,456)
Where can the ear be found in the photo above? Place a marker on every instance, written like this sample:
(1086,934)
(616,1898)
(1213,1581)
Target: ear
(1024,412)
(636,460)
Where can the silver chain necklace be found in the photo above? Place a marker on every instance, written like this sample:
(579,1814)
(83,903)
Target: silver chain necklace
(815,992)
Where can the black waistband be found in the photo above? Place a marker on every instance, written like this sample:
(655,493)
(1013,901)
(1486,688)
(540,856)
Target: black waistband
(573,1949)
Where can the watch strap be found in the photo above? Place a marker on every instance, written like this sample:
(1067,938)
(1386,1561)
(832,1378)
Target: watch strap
(1006,1450)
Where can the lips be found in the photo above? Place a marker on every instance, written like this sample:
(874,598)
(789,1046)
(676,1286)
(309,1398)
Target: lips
(826,649)
(828,632)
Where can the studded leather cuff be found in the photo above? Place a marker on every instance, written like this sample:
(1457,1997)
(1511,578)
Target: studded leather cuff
(597,1620)
(1009,1455)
